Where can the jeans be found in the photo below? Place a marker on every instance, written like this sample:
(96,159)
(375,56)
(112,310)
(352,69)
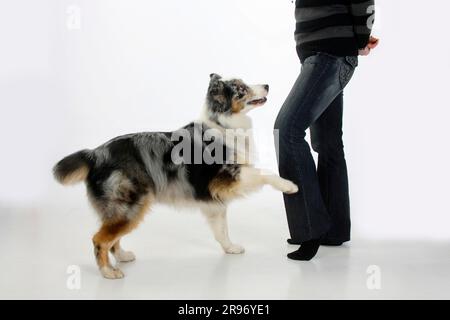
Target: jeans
(321,208)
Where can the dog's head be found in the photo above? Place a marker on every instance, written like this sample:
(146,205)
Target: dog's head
(233,96)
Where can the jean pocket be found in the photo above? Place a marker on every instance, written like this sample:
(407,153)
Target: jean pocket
(347,69)
(352,60)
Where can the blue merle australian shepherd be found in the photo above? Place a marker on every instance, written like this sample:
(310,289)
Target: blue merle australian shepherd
(205,164)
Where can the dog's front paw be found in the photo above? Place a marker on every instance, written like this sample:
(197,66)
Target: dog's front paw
(234,249)
(289,187)
(111,273)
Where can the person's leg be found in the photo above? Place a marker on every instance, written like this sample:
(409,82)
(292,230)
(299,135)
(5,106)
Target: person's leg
(326,140)
(315,89)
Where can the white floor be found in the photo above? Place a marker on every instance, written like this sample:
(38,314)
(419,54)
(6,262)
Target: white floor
(177,258)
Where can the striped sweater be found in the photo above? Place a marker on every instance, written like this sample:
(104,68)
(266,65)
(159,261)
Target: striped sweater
(338,27)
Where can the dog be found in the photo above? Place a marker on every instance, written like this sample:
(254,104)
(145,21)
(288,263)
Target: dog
(128,174)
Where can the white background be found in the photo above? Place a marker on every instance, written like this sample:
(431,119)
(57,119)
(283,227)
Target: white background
(144,66)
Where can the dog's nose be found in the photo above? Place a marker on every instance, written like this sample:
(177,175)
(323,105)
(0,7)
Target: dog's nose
(266,86)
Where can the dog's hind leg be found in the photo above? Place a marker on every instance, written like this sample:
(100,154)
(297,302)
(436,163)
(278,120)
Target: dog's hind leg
(217,220)
(121,255)
(103,241)
(108,237)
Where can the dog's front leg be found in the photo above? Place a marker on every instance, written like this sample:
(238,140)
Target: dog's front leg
(252,178)
(217,220)
(283,185)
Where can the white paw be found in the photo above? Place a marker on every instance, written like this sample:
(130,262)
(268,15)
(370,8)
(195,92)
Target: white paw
(111,273)
(288,187)
(234,249)
(125,256)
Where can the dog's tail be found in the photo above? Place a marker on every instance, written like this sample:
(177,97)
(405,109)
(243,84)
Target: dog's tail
(74,168)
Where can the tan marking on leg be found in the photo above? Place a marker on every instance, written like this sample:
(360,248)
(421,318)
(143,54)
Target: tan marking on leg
(109,234)
(225,188)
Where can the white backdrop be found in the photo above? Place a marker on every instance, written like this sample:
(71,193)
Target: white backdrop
(127,66)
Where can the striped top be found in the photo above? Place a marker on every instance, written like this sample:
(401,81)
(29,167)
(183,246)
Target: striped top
(338,27)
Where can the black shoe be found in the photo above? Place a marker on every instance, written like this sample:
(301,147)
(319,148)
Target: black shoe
(290,241)
(307,250)
(330,243)
(327,243)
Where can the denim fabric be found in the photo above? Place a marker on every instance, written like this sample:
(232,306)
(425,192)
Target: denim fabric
(321,207)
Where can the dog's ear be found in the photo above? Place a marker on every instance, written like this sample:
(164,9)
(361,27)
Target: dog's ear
(214,76)
(215,84)
(215,87)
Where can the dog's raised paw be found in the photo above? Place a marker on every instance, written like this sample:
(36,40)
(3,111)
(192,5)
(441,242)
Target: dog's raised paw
(111,273)
(235,249)
(125,256)
(289,187)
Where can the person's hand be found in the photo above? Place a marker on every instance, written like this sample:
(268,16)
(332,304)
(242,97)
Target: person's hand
(373,43)
(364,52)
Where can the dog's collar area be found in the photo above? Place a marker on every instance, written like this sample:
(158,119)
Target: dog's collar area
(217,121)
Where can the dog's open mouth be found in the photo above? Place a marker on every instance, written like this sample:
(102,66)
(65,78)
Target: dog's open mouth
(258,102)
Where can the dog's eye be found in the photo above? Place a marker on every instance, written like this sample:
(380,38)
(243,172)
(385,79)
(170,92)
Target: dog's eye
(241,92)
